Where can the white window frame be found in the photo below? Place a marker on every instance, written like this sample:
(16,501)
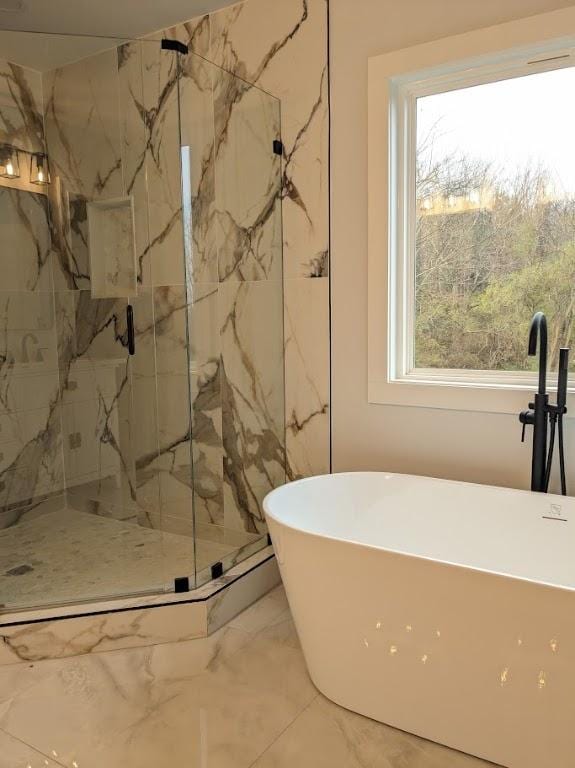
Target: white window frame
(395,81)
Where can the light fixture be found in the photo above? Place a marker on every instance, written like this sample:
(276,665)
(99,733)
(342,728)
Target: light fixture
(9,165)
(39,169)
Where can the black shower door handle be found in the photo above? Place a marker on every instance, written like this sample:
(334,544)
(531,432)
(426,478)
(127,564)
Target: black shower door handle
(131,334)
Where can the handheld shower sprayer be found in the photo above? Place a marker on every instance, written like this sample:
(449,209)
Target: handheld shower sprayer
(545,418)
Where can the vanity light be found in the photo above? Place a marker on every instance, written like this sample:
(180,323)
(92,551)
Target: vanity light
(9,165)
(39,169)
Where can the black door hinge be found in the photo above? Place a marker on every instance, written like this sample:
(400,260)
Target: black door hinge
(182,584)
(278,147)
(174,45)
(217,570)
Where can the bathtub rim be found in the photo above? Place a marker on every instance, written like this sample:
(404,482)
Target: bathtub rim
(401,553)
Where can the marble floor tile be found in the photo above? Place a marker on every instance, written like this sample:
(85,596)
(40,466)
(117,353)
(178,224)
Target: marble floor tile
(327,736)
(219,703)
(240,698)
(15,754)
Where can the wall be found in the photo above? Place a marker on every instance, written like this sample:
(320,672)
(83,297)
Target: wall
(477,447)
(282,48)
(127,443)
(31,466)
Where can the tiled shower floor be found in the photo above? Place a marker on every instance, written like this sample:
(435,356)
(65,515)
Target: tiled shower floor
(240,698)
(70,555)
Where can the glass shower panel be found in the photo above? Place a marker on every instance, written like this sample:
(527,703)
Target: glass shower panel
(87,306)
(141,311)
(231,197)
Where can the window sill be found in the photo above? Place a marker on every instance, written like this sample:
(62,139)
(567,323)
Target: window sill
(457,395)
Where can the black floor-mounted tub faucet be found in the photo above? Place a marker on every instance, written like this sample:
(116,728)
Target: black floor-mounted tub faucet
(542,416)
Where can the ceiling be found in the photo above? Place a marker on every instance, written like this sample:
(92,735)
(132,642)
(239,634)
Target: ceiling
(76,19)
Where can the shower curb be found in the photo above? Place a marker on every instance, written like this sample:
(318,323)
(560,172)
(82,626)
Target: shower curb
(57,633)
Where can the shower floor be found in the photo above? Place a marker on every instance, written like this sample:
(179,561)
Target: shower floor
(69,556)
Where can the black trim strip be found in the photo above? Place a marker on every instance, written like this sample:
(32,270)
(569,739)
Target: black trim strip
(140,607)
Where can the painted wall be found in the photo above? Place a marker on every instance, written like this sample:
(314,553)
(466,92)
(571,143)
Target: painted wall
(468,446)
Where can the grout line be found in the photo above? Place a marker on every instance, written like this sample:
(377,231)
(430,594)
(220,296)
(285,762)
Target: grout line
(279,736)
(31,746)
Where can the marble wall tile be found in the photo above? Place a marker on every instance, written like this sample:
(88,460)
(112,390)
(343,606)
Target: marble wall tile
(206,399)
(194,33)
(287,56)
(133,147)
(90,331)
(208,475)
(252,398)
(26,245)
(81,111)
(248,173)
(31,463)
(174,465)
(307,376)
(27,331)
(171,329)
(97,143)
(21,123)
(37,468)
(42,505)
(95,382)
(79,498)
(69,233)
(198,168)
(92,634)
(160,115)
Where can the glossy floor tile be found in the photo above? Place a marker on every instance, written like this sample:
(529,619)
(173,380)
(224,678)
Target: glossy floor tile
(241,698)
(13,754)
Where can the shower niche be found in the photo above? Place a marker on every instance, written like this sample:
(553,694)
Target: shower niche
(141,299)
(112,248)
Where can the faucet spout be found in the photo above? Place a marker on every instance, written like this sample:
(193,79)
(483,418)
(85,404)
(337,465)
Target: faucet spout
(538,329)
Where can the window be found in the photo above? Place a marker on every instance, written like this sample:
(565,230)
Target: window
(494,221)
(480,225)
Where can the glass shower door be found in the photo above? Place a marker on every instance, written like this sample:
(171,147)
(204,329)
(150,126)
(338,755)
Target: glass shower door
(231,198)
(85,438)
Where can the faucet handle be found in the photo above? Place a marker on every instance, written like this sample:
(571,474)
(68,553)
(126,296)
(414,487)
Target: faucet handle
(526,417)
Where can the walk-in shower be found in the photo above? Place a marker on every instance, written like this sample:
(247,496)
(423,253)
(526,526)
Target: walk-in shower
(141,318)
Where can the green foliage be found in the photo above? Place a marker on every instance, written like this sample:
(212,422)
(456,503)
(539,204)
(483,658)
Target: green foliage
(481,274)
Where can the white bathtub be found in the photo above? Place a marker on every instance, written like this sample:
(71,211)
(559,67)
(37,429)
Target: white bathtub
(444,609)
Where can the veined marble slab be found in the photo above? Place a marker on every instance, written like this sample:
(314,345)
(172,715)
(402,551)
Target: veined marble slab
(144,621)
(21,123)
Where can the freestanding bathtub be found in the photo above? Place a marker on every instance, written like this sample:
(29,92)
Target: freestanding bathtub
(445,609)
